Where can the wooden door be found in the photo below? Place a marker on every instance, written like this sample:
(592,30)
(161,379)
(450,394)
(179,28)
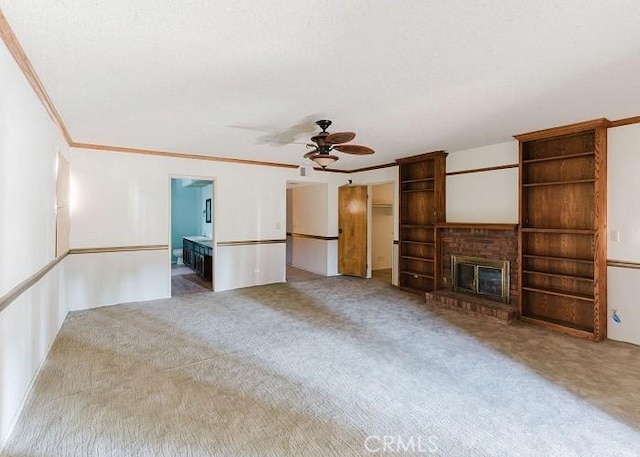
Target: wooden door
(352,230)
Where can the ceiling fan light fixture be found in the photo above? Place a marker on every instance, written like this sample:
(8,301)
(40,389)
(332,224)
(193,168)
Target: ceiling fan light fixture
(323,159)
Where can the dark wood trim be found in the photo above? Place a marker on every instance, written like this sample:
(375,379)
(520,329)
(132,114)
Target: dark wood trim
(374,167)
(416,158)
(521,218)
(600,237)
(396,241)
(623,264)
(476,225)
(249,242)
(313,237)
(16,50)
(626,121)
(480,170)
(149,247)
(25,285)
(186,155)
(563,130)
(330,170)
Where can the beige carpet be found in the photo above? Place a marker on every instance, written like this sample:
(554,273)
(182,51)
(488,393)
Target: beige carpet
(298,275)
(331,367)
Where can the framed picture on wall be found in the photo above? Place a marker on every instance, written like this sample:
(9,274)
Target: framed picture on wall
(207,211)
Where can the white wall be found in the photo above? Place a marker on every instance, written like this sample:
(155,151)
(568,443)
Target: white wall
(489,196)
(309,209)
(244,266)
(624,216)
(100,279)
(122,200)
(29,143)
(28,328)
(308,214)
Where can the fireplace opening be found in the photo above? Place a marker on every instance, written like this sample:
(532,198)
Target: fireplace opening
(485,277)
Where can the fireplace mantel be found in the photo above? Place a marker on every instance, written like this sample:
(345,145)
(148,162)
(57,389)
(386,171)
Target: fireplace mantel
(477,225)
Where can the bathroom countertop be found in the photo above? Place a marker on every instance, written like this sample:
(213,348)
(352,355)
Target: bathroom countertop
(203,240)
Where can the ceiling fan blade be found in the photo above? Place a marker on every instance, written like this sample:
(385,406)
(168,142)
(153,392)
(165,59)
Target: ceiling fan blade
(353,149)
(283,142)
(310,153)
(340,137)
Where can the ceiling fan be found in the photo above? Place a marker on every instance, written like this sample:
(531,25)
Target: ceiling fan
(325,142)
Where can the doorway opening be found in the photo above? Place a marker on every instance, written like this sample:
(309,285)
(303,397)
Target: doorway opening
(192,244)
(382,232)
(311,251)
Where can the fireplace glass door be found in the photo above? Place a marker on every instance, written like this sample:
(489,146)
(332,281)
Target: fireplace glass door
(486,277)
(490,281)
(466,276)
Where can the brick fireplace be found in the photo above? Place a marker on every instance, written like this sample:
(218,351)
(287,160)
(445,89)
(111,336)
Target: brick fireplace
(494,242)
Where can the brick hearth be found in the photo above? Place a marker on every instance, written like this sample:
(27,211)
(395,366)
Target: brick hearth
(472,305)
(489,241)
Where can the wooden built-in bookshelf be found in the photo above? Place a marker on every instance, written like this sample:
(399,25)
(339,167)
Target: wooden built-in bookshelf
(562,239)
(422,205)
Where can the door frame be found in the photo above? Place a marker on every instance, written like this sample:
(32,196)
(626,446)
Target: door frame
(214,224)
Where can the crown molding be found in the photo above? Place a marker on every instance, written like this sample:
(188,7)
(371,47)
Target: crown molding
(374,167)
(180,155)
(479,170)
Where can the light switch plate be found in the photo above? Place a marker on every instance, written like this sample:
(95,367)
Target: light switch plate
(615,235)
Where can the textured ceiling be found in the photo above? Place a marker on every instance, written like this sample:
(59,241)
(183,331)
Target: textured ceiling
(244,79)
